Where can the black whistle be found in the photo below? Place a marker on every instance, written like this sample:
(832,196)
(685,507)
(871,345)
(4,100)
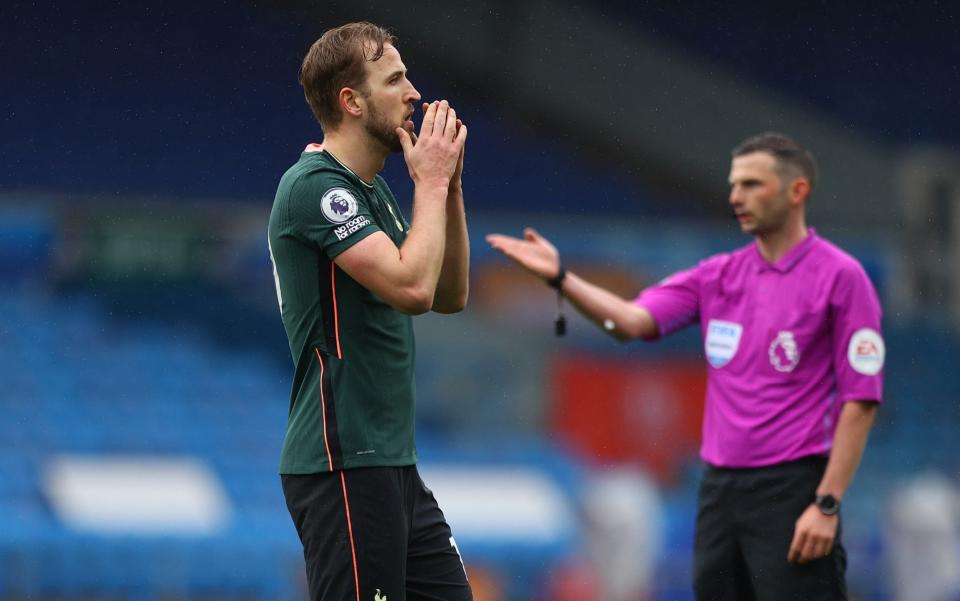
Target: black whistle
(560,325)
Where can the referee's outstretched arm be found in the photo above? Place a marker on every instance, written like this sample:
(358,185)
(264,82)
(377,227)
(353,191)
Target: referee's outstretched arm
(621,318)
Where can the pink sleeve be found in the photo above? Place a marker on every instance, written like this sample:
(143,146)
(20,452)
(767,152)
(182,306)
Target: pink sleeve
(858,346)
(674,302)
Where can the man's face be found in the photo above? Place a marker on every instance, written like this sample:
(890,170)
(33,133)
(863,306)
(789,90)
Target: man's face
(390,99)
(758,196)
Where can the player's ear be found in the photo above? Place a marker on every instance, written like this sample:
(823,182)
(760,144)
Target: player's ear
(351,102)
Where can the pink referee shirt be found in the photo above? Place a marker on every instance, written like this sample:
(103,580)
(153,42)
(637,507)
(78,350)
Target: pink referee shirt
(787,343)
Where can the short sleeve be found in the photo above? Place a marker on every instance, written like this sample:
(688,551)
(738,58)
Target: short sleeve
(329,212)
(675,301)
(858,347)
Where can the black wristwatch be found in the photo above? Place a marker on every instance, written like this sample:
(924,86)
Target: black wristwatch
(828,504)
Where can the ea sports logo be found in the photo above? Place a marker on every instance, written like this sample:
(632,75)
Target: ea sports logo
(866,352)
(338,205)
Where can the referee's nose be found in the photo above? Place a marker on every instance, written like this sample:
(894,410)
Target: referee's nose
(735,197)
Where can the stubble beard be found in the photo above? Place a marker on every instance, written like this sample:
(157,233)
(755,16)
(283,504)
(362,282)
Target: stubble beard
(382,131)
(773,220)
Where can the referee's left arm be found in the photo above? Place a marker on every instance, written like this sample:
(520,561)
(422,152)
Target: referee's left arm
(858,356)
(815,532)
(849,441)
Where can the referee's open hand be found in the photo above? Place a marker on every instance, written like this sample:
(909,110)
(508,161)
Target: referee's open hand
(813,536)
(534,252)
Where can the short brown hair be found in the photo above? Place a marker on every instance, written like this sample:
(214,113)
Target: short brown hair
(336,61)
(787,151)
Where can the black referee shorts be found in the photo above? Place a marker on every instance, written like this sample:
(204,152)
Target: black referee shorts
(745,524)
(372,534)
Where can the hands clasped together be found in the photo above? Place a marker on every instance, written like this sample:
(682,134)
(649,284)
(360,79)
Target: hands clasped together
(435,156)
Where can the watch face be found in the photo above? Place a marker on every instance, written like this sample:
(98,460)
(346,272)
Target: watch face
(828,504)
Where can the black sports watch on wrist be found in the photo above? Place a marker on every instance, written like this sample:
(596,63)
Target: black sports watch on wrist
(828,504)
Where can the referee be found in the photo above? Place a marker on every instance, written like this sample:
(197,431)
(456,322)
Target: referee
(791,332)
(349,273)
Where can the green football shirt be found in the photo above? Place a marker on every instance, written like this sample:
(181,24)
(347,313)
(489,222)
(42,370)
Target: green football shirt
(352,403)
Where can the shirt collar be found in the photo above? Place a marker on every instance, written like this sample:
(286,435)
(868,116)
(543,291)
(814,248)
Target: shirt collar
(789,260)
(314,147)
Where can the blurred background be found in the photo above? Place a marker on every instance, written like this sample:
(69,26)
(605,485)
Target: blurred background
(144,372)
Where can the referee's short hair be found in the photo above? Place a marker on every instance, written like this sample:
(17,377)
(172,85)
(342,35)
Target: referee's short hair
(792,159)
(336,61)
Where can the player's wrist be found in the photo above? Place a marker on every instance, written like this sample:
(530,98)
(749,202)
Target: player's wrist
(432,187)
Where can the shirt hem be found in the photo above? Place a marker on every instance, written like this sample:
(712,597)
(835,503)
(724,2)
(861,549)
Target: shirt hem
(763,464)
(363,461)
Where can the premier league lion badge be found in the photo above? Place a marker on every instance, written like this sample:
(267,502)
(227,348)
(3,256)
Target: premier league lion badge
(338,205)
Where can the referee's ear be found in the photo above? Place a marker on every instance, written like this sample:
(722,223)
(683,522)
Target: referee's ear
(799,190)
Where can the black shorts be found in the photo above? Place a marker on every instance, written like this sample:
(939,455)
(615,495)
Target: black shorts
(745,524)
(374,533)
